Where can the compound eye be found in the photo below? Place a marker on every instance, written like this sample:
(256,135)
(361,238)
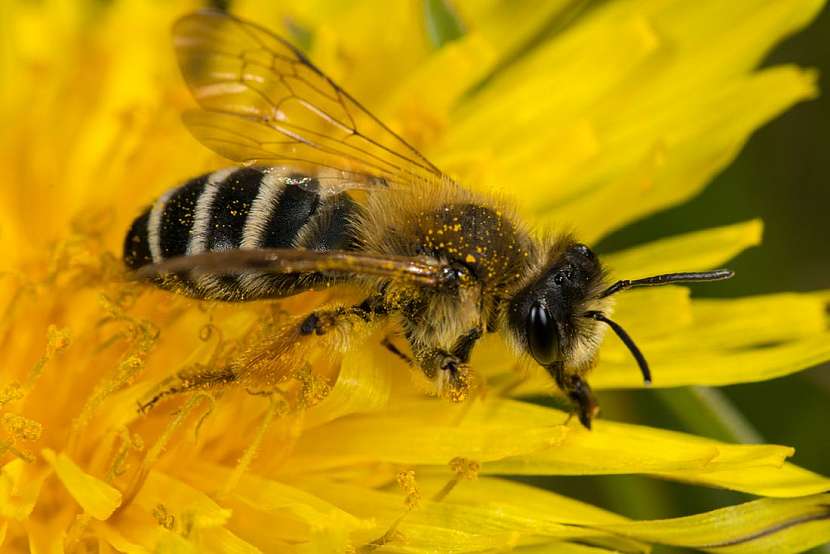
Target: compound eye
(541,334)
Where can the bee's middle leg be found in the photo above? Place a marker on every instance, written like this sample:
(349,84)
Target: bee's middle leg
(323,321)
(450,368)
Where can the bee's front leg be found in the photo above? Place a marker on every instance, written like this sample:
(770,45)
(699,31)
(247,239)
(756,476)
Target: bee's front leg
(577,390)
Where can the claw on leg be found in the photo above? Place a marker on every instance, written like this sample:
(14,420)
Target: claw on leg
(578,391)
(455,380)
(581,394)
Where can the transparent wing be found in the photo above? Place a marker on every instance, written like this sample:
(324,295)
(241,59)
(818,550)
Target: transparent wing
(262,101)
(426,271)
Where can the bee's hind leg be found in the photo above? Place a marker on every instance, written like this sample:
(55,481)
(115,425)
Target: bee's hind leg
(321,322)
(188,382)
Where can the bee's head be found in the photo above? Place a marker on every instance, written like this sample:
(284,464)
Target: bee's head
(547,316)
(560,315)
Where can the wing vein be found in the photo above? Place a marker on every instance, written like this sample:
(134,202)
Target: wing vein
(251,84)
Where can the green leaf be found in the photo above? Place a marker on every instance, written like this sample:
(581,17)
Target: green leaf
(442,23)
(709,412)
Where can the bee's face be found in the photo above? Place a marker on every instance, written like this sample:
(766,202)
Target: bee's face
(547,315)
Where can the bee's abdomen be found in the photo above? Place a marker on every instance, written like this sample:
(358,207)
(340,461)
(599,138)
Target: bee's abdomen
(250,207)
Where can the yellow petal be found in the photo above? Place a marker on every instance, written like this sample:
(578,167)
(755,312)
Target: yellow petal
(493,36)
(174,543)
(46,536)
(96,497)
(650,314)
(362,386)
(270,495)
(426,433)
(621,448)
(721,323)
(709,135)
(20,486)
(696,251)
(523,97)
(178,498)
(538,445)
(766,525)
(347,56)
(715,367)
(563,548)
(115,539)
(273,514)
(787,481)
(486,514)
(222,541)
(135,530)
(109,123)
(532,502)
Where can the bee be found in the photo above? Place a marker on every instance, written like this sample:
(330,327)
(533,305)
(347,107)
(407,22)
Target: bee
(327,195)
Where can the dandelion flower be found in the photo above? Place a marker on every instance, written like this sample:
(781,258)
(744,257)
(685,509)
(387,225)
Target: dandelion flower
(625,109)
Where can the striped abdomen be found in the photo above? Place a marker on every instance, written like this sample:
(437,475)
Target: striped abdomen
(249,207)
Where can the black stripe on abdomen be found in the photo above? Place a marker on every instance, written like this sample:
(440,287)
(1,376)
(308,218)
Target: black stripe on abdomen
(177,217)
(290,210)
(331,227)
(230,208)
(293,208)
(137,243)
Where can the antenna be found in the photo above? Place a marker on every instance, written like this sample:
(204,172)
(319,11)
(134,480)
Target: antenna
(668,279)
(627,340)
